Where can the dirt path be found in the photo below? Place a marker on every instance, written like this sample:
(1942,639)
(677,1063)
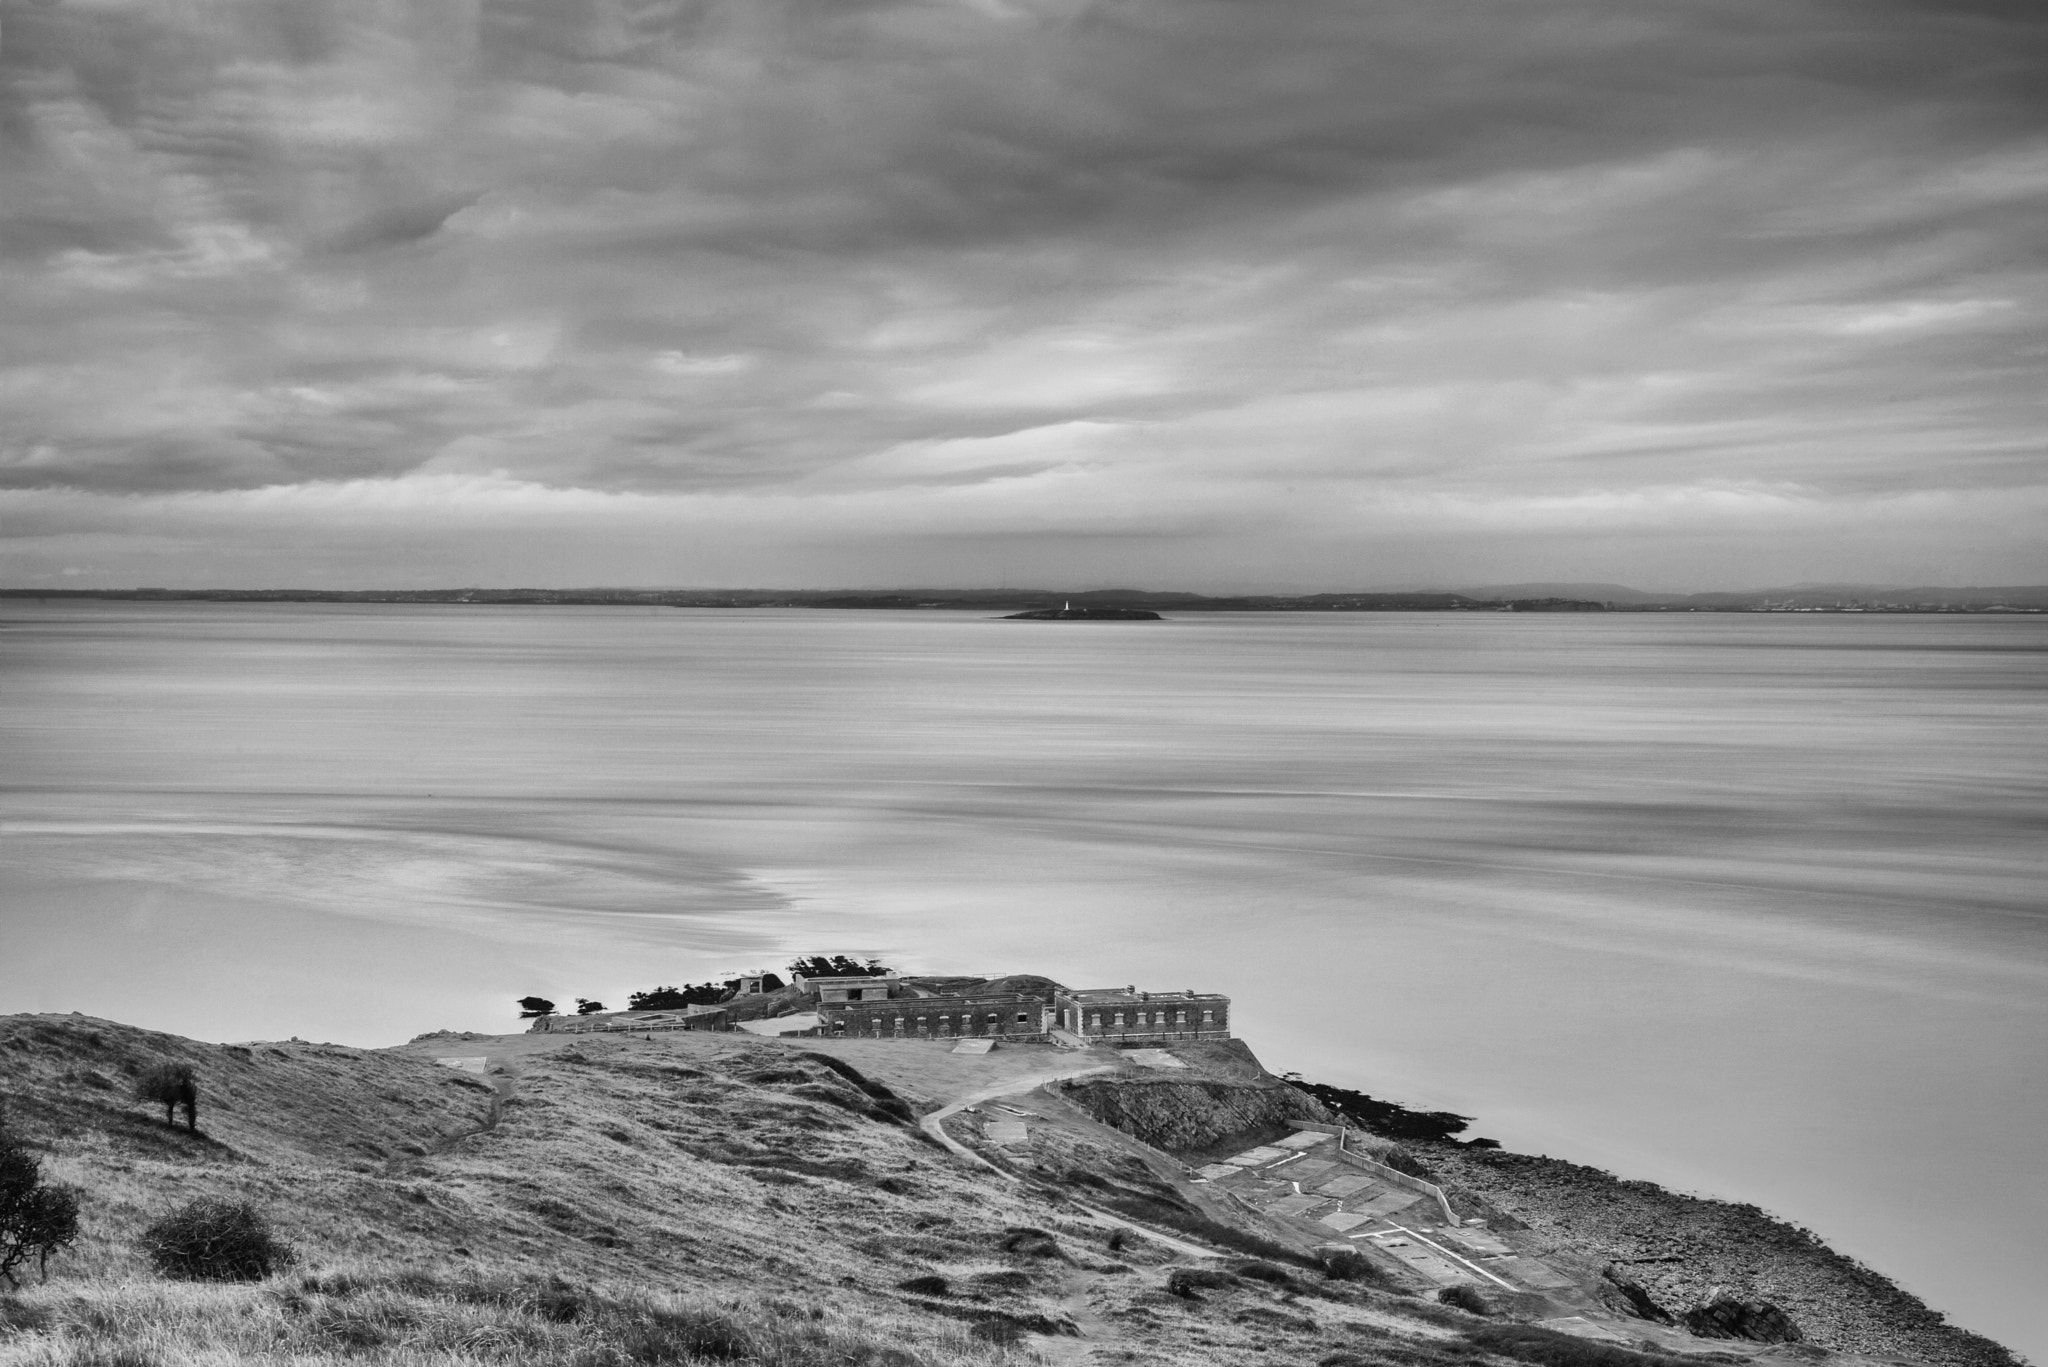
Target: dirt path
(933,1124)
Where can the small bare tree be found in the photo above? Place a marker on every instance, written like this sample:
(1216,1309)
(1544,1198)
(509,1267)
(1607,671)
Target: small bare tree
(171,1085)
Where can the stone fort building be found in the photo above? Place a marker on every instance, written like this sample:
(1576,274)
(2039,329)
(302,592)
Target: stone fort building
(1020,1006)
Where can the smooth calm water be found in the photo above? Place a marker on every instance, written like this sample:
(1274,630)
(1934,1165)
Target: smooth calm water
(1751,905)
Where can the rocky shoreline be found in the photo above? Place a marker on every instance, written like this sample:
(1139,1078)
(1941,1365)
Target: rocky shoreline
(1681,1251)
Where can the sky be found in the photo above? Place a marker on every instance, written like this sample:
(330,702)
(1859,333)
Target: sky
(1207,294)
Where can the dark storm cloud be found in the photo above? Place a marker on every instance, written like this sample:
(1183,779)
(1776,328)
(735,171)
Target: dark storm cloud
(1295,287)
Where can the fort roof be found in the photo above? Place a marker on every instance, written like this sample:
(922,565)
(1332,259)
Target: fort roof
(1113,995)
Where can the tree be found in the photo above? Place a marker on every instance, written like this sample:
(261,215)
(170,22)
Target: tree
(587,1007)
(171,1085)
(529,1007)
(837,966)
(35,1220)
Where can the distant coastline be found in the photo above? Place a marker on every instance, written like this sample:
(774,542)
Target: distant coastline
(1828,598)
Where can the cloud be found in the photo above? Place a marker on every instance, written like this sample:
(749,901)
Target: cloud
(1175,272)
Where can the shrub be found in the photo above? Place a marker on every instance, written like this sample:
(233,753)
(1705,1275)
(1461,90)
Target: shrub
(1117,1239)
(557,1301)
(1185,1281)
(996,1329)
(666,1336)
(924,1286)
(1548,1348)
(1027,1242)
(36,1220)
(1349,1265)
(171,1085)
(1466,1298)
(212,1239)
(1264,1272)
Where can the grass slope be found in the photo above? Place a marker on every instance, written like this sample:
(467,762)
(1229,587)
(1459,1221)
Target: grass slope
(681,1199)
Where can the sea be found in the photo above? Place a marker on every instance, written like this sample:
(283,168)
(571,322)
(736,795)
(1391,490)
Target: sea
(1748,904)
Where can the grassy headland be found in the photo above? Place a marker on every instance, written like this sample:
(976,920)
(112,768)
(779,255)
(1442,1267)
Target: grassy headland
(599,1201)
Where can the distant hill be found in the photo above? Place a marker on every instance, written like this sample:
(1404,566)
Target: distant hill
(1599,593)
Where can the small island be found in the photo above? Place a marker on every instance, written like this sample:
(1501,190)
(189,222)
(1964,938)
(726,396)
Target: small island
(1070,613)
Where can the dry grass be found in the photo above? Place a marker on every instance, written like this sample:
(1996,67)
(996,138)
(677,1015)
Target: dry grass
(415,1320)
(685,1199)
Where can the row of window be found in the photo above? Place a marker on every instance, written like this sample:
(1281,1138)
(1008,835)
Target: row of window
(1158,1019)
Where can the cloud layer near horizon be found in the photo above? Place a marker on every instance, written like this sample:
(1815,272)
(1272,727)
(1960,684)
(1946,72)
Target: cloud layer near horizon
(1194,292)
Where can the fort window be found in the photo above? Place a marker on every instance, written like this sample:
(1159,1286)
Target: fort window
(1023,1018)
(1119,1019)
(1208,1017)
(1096,1020)
(1180,1018)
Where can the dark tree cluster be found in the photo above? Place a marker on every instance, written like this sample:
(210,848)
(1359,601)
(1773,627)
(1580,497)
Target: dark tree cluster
(837,966)
(586,1007)
(36,1219)
(690,994)
(529,1007)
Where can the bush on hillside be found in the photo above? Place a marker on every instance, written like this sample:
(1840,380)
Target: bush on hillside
(1349,1265)
(36,1219)
(1186,1281)
(213,1239)
(1026,1242)
(1264,1272)
(1466,1298)
(1548,1348)
(171,1086)
(659,1336)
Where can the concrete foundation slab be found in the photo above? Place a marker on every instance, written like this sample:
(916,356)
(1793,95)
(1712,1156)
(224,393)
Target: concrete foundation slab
(1341,1220)
(1254,1158)
(1304,1139)
(974,1046)
(1295,1205)
(1349,1185)
(1390,1202)
(1530,1272)
(1217,1171)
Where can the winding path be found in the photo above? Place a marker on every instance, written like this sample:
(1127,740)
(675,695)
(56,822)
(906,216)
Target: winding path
(933,1125)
